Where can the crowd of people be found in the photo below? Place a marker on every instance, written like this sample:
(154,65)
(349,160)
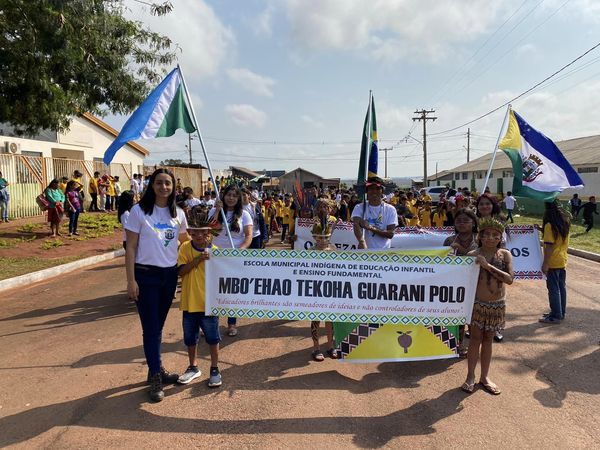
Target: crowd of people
(168,231)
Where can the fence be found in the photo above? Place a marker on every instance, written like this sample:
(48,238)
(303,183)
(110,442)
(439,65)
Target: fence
(188,176)
(29,175)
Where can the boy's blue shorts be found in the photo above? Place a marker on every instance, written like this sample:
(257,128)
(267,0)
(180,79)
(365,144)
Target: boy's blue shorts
(192,322)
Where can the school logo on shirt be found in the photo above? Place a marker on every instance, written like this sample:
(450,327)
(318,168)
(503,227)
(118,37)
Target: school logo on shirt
(165,231)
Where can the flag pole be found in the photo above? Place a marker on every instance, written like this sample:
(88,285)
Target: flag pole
(210,172)
(367,153)
(487,176)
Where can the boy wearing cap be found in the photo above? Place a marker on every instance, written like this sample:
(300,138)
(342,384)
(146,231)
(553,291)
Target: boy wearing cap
(190,262)
(374,220)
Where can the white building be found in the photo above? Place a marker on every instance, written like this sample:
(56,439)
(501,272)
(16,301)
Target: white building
(582,153)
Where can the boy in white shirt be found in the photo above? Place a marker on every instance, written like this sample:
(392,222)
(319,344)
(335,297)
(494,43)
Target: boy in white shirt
(510,203)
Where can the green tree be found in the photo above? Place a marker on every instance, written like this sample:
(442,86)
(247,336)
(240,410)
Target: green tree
(172,162)
(61,58)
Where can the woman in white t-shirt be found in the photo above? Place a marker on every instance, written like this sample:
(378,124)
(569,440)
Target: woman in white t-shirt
(240,227)
(153,228)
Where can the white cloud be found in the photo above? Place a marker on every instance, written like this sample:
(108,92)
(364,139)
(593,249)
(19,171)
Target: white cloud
(204,40)
(253,82)
(311,121)
(246,115)
(262,25)
(389,29)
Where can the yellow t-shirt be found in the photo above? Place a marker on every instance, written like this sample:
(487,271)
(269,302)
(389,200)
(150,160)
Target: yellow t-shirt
(439,219)
(193,293)
(63,187)
(93,186)
(279,204)
(415,212)
(78,181)
(110,190)
(558,258)
(287,214)
(426,198)
(425,218)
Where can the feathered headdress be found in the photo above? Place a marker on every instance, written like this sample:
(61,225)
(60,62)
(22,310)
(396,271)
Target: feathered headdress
(198,219)
(491,223)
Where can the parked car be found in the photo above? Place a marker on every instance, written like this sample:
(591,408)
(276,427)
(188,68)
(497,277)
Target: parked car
(434,192)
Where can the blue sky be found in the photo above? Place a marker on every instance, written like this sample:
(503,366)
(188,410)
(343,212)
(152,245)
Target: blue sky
(285,84)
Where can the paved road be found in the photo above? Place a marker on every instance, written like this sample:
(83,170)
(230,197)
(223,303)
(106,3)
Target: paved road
(72,377)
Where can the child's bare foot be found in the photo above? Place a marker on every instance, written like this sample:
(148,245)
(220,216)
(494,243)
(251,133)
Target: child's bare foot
(490,386)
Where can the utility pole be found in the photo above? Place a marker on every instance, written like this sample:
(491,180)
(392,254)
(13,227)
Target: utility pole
(386,150)
(422,116)
(190,146)
(468,143)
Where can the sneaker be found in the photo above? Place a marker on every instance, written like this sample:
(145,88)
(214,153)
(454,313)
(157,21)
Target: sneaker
(166,376)
(215,378)
(498,337)
(156,392)
(549,320)
(191,373)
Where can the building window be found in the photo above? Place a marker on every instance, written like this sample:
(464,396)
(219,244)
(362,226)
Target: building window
(587,170)
(507,173)
(457,176)
(465,175)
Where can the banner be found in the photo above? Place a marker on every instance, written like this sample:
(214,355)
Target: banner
(521,240)
(392,287)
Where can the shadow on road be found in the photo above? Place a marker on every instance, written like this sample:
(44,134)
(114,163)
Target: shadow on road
(120,409)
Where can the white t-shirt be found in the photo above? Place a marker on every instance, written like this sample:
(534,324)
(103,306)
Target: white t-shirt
(238,237)
(380,217)
(124,218)
(251,208)
(158,233)
(210,202)
(191,202)
(510,201)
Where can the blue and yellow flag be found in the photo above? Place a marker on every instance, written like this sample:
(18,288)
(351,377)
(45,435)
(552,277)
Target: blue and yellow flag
(369,155)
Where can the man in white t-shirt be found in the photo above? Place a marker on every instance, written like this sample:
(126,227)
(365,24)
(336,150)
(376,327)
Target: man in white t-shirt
(510,202)
(206,200)
(374,220)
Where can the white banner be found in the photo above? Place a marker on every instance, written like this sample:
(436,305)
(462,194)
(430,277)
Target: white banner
(521,240)
(397,287)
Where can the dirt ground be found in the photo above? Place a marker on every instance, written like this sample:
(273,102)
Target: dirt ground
(73,376)
(29,243)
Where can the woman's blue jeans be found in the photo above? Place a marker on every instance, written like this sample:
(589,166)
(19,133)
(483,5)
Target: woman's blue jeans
(156,291)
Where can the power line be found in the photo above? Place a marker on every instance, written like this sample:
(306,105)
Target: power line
(520,95)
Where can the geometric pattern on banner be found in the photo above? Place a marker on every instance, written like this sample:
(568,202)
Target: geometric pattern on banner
(347,256)
(396,343)
(337,317)
(528,275)
(356,337)
(444,335)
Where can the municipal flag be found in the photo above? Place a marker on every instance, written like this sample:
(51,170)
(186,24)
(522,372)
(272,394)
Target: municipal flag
(540,170)
(160,115)
(369,156)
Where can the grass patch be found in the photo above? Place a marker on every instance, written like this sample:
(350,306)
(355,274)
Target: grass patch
(29,227)
(13,267)
(6,243)
(579,239)
(51,243)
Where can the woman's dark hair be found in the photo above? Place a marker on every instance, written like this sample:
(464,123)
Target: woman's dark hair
(149,198)
(70,186)
(466,212)
(51,183)
(557,218)
(493,200)
(237,209)
(125,203)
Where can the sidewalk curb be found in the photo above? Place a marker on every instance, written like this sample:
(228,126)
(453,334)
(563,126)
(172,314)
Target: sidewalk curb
(583,254)
(43,275)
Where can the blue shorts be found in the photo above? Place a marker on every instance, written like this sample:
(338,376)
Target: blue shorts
(192,322)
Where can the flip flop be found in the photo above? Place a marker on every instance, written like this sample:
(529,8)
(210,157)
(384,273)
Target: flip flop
(494,390)
(317,355)
(232,332)
(469,388)
(332,353)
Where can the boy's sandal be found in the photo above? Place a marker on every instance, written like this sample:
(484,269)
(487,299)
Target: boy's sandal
(332,353)
(494,390)
(463,352)
(468,387)
(317,355)
(232,332)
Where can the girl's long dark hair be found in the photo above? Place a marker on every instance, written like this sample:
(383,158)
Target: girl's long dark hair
(494,201)
(149,198)
(237,209)
(70,186)
(125,203)
(557,218)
